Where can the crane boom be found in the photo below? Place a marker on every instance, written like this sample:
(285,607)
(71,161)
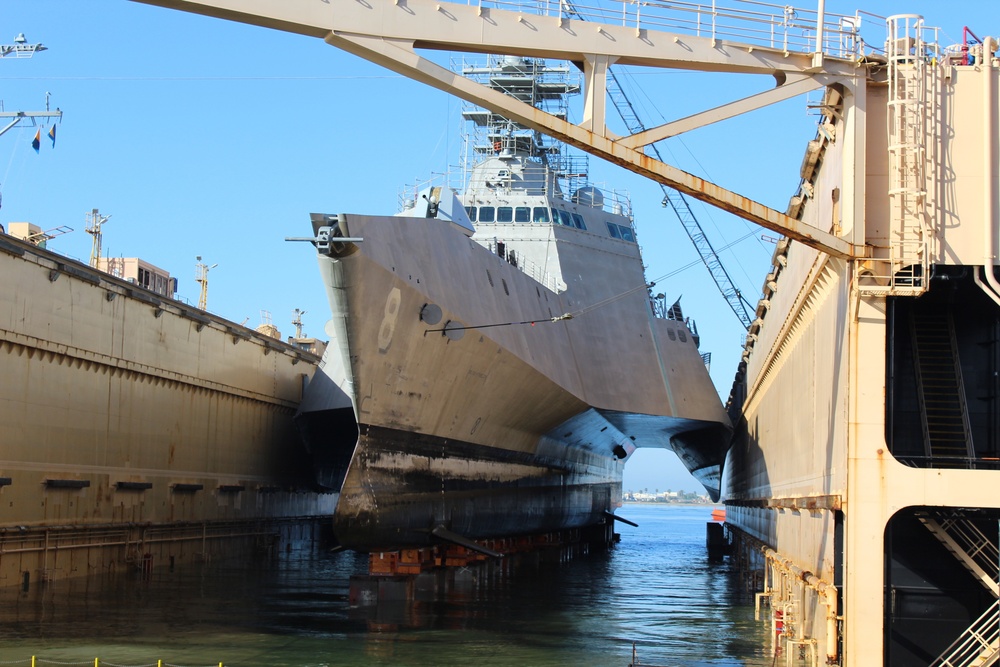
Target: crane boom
(682,208)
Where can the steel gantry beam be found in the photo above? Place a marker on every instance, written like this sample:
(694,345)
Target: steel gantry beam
(389,33)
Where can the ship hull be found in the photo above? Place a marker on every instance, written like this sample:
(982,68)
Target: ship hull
(402,485)
(497,416)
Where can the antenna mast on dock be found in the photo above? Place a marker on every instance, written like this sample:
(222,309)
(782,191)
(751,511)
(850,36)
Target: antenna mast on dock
(96,221)
(297,322)
(201,277)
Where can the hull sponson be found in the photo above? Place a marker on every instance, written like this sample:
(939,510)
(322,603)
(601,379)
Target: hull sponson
(401,485)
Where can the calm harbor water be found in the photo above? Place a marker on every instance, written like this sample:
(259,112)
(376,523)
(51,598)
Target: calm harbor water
(656,589)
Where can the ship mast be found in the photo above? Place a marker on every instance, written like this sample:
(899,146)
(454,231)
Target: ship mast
(532,81)
(21,49)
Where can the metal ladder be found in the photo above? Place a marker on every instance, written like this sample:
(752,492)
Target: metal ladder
(905,270)
(940,391)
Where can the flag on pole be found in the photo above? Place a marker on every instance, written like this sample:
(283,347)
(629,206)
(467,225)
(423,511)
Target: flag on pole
(37,141)
(52,135)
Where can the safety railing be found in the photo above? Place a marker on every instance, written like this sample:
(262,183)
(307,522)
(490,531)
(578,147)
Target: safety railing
(746,21)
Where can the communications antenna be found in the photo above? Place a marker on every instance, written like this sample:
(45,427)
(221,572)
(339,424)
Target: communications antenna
(94,224)
(201,277)
(21,49)
(297,322)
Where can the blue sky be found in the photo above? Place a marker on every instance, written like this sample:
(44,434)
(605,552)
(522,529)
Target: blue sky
(203,137)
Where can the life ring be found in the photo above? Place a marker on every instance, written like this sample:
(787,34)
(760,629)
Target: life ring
(497,146)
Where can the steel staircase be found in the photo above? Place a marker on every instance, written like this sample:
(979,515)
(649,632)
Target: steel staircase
(974,550)
(978,646)
(940,391)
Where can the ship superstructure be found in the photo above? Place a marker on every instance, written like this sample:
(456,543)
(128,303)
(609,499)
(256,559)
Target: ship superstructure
(496,355)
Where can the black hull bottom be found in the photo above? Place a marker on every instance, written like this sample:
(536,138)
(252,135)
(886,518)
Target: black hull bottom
(402,485)
(330,455)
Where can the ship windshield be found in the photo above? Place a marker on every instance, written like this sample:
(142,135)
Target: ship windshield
(540,214)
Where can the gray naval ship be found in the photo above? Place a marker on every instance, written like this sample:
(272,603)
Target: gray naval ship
(497,355)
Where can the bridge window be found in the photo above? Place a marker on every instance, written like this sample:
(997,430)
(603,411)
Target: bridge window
(487,214)
(578,221)
(540,214)
(505,214)
(613,230)
(564,218)
(522,214)
(627,234)
(471,210)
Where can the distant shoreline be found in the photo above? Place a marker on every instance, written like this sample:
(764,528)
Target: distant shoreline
(677,504)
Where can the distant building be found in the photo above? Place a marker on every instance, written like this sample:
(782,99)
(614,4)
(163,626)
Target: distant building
(140,273)
(664,497)
(313,345)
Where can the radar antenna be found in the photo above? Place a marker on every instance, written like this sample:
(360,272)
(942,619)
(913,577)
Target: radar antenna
(20,48)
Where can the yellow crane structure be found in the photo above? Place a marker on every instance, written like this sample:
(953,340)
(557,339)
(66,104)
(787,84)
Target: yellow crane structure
(201,277)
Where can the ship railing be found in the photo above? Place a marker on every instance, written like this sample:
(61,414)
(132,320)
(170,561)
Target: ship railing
(529,268)
(748,22)
(978,645)
(964,462)
(406,197)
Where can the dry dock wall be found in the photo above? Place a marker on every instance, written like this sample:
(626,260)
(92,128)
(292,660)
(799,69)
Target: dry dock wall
(121,408)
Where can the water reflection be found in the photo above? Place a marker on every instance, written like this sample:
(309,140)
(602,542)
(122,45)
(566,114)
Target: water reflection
(657,589)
